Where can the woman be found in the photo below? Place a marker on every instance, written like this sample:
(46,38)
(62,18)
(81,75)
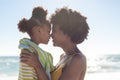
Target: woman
(69,29)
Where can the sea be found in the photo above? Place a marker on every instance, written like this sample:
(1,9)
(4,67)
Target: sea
(103,67)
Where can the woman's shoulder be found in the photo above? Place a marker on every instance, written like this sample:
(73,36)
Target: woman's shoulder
(78,58)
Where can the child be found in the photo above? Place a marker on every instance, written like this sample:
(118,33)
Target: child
(38,28)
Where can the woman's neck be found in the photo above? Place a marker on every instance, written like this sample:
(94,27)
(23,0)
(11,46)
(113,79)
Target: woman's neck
(70,49)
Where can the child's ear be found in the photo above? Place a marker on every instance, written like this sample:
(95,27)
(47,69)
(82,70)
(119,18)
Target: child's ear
(38,29)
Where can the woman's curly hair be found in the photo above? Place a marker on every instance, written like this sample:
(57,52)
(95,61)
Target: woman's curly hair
(71,23)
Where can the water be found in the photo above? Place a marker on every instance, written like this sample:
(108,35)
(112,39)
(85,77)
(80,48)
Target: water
(9,65)
(104,63)
(97,66)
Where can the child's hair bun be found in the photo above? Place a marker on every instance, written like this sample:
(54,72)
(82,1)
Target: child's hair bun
(39,13)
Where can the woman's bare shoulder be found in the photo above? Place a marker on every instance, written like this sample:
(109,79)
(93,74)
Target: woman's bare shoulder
(78,59)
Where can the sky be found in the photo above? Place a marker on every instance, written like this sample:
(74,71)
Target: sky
(103,17)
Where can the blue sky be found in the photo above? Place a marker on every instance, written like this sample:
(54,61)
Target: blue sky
(103,17)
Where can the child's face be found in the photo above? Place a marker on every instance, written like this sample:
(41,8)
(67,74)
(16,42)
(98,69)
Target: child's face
(45,34)
(41,34)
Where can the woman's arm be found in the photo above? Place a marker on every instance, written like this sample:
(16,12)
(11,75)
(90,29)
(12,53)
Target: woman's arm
(32,60)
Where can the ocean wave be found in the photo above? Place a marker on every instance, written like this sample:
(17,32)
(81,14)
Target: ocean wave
(9,65)
(104,63)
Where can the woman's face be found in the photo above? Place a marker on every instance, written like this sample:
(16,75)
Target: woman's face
(59,38)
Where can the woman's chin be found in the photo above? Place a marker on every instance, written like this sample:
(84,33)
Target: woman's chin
(53,44)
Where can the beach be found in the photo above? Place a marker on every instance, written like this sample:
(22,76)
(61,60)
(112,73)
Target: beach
(103,76)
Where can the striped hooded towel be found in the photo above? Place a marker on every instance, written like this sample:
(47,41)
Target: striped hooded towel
(28,73)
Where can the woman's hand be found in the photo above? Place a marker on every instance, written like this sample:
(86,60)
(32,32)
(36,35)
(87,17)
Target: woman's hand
(32,60)
(29,58)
